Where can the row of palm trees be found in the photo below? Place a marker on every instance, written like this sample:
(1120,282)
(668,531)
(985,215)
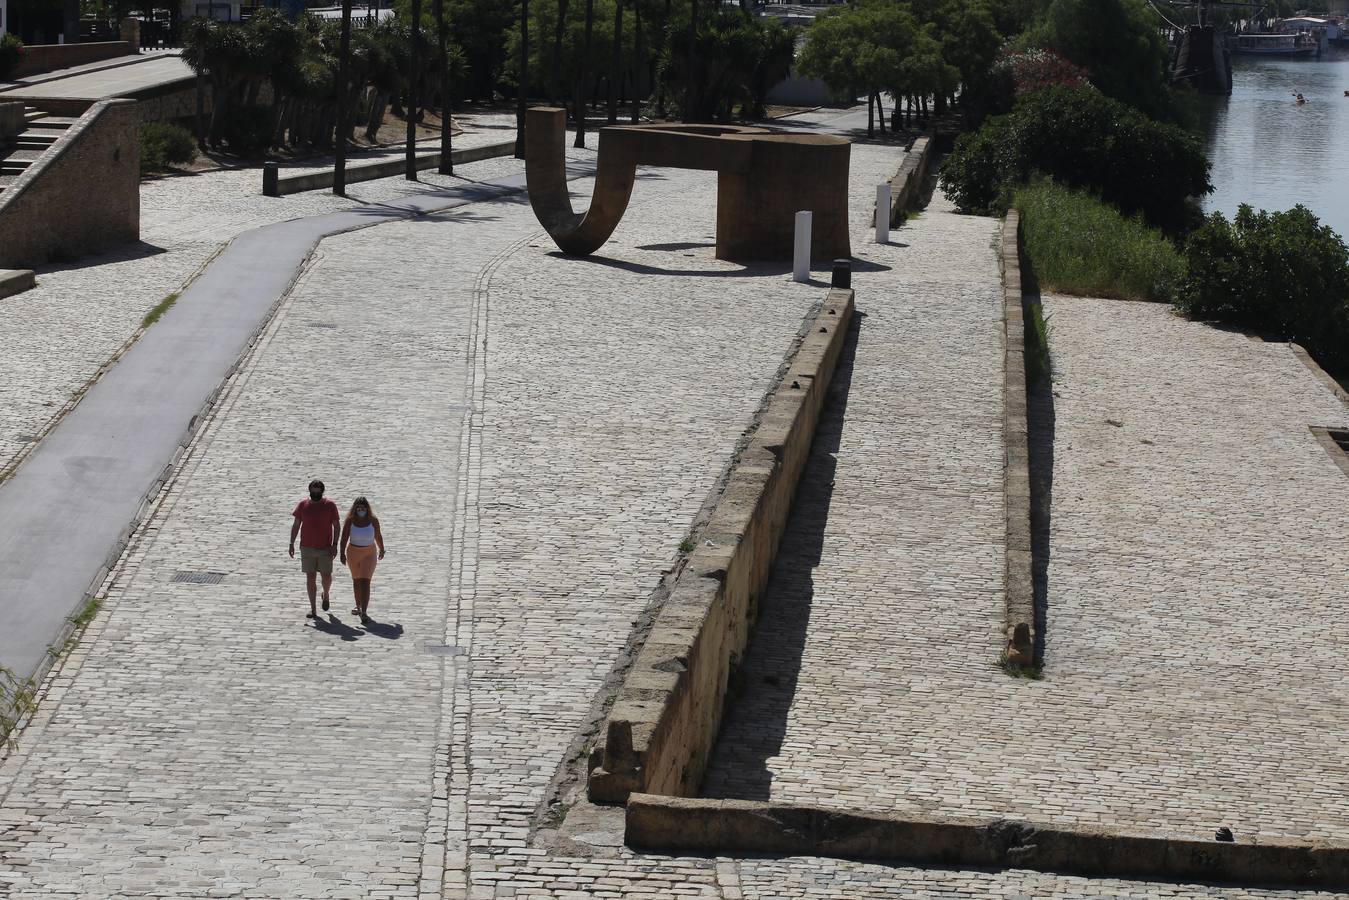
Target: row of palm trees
(323,76)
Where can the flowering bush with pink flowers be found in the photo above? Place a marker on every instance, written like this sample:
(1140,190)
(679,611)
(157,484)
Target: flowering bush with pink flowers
(1036,68)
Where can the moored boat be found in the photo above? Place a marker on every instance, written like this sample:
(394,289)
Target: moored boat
(1275,44)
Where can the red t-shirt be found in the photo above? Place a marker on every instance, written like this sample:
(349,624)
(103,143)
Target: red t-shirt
(316,522)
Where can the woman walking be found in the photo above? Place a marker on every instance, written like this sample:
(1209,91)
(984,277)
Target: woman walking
(360,537)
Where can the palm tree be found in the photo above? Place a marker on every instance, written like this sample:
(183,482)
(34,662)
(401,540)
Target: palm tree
(414,97)
(616,63)
(344,103)
(446,163)
(583,82)
(524,81)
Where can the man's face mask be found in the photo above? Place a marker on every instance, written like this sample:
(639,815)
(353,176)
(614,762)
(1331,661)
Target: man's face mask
(315,494)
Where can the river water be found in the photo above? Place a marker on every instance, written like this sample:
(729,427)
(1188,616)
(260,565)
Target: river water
(1271,153)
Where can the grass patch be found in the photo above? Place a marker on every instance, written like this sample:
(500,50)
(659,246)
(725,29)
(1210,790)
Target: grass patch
(1039,367)
(86,613)
(686,545)
(18,699)
(1081,245)
(1032,672)
(163,306)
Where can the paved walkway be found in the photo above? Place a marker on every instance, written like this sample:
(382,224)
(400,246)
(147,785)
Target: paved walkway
(97,81)
(79,489)
(567,422)
(887,598)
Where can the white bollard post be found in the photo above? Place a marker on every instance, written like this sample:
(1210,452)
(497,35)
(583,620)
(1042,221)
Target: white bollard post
(801,253)
(883,213)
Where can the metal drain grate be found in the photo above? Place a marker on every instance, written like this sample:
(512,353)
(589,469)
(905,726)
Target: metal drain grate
(198,577)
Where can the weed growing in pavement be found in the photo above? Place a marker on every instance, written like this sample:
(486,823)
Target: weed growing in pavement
(1039,366)
(159,309)
(18,699)
(1032,672)
(686,545)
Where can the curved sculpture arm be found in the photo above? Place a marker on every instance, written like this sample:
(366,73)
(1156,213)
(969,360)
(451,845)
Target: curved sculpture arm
(546,173)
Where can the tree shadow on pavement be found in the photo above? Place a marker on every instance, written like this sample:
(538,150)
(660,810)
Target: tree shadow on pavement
(747,270)
(762,689)
(1040,426)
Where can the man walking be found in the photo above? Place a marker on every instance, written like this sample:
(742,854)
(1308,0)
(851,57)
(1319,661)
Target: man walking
(317,522)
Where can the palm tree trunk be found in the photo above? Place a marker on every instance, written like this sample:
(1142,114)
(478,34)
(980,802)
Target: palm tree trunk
(616,63)
(442,35)
(414,99)
(344,99)
(524,81)
(583,79)
(555,84)
(637,65)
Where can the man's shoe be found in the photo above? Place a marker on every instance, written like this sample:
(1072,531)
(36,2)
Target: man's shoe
(325,604)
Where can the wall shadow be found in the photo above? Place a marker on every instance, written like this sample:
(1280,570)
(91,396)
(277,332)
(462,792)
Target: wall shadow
(762,688)
(1040,426)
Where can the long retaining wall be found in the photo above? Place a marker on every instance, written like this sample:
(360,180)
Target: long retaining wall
(39,58)
(274,185)
(664,721)
(82,193)
(1020,585)
(680,825)
(907,185)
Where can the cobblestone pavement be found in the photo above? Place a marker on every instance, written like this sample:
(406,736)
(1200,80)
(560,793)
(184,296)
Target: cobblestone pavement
(567,421)
(81,315)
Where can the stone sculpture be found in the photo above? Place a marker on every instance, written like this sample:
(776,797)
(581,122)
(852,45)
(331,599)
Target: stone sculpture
(763,179)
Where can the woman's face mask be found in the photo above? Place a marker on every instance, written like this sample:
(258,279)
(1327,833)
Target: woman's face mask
(361,513)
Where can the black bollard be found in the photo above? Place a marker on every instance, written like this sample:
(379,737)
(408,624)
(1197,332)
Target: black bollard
(270,174)
(842,276)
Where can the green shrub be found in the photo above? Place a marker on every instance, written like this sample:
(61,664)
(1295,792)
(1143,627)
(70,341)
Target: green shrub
(248,130)
(1283,274)
(11,53)
(1083,139)
(162,144)
(1081,245)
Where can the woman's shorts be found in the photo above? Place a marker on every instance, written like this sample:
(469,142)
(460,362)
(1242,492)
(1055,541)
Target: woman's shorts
(361,561)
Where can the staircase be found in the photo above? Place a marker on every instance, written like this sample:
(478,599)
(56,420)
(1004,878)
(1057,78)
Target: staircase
(40,132)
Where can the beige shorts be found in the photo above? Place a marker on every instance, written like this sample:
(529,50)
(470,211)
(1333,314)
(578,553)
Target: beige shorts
(315,559)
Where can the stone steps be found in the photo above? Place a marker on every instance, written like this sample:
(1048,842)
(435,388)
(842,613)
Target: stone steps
(40,133)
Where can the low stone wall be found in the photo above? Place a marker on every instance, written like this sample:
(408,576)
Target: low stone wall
(15,281)
(680,825)
(1020,585)
(39,58)
(11,121)
(665,719)
(907,185)
(277,186)
(81,195)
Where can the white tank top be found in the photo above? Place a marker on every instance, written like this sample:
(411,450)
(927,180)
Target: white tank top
(362,535)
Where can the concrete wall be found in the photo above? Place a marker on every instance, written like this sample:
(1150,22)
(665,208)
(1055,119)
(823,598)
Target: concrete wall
(1020,596)
(39,58)
(680,825)
(81,195)
(907,186)
(312,181)
(665,719)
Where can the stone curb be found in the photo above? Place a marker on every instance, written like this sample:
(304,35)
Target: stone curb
(15,281)
(1020,589)
(907,184)
(664,721)
(679,825)
(275,186)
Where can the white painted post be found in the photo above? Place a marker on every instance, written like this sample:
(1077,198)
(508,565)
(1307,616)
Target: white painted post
(801,254)
(883,213)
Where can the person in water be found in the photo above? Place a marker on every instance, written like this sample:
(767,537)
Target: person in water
(360,537)
(1300,99)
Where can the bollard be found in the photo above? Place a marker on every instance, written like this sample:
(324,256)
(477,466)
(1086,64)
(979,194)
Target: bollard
(801,253)
(883,213)
(842,274)
(270,174)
